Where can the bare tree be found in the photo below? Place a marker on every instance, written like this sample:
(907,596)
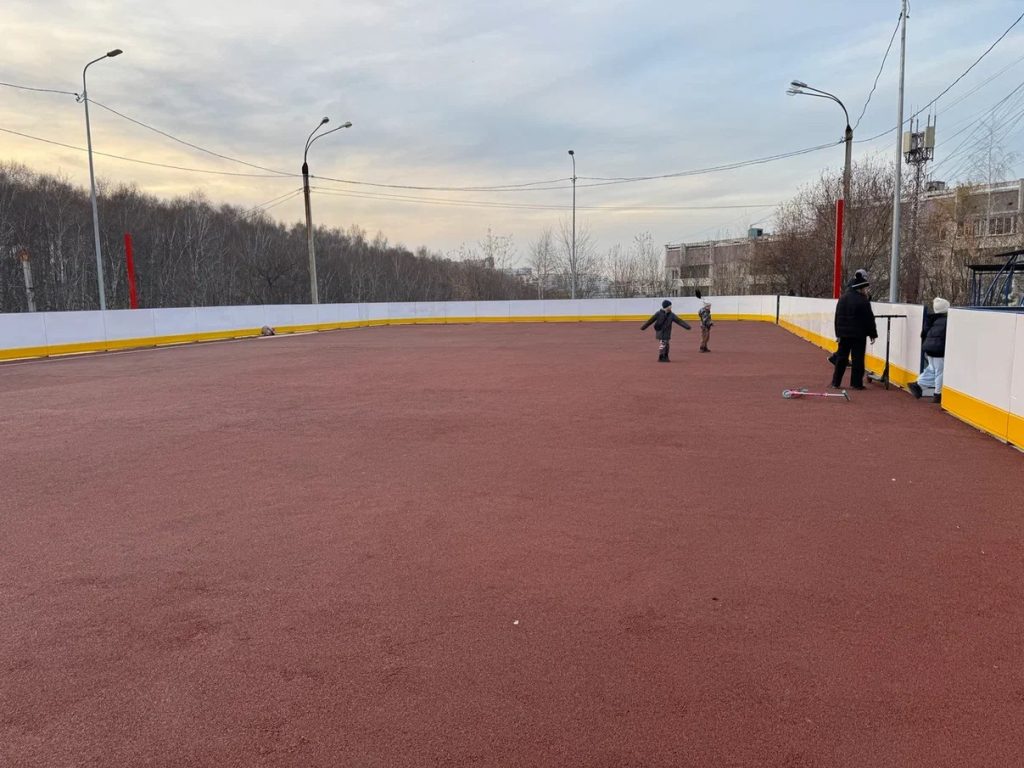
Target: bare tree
(498,250)
(543,260)
(580,266)
(621,267)
(651,279)
(801,253)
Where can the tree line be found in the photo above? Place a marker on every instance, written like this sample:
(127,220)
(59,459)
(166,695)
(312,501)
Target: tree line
(189,251)
(941,234)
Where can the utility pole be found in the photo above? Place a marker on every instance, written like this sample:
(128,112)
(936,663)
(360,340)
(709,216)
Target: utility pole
(847,173)
(314,293)
(26,269)
(800,88)
(92,178)
(894,261)
(918,150)
(573,265)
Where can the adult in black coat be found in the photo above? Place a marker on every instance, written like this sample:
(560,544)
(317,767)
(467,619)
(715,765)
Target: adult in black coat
(854,324)
(860,275)
(662,321)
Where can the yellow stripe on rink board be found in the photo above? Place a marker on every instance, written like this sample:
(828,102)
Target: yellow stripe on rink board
(113,345)
(750,318)
(982,415)
(22,353)
(803,333)
(1014,430)
(57,350)
(897,375)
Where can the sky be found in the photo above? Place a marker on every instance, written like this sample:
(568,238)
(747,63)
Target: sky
(452,93)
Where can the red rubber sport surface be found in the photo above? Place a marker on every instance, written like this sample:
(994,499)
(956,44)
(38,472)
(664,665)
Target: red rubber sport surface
(500,545)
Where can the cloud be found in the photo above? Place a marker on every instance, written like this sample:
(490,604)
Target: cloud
(452,93)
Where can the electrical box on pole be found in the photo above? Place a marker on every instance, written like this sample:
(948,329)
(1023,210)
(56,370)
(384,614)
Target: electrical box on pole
(918,145)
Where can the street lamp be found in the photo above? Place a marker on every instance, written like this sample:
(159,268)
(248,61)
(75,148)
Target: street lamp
(798,88)
(92,177)
(572,270)
(314,294)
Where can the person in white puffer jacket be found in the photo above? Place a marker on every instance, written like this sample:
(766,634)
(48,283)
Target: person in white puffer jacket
(934,347)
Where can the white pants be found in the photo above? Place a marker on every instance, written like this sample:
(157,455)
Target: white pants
(931,377)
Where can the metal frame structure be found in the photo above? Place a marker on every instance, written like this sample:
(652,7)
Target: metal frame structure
(1002,282)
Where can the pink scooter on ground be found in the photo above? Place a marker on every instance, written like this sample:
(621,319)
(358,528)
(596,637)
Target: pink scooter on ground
(794,394)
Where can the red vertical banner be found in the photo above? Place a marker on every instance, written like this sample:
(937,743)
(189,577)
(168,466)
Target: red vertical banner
(133,297)
(837,277)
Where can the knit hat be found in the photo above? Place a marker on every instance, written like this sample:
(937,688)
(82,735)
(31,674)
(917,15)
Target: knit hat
(940,306)
(861,274)
(666,304)
(858,282)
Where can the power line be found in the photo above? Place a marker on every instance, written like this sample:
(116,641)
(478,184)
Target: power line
(980,85)
(187,143)
(606,181)
(494,188)
(480,188)
(38,90)
(976,61)
(272,203)
(882,67)
(145,162)
(949,87)
(153,129)
(532,206)
(271,200)
(974,124)
(1007,123)
(526,186)
(530,186)
(988,111)
(720,227)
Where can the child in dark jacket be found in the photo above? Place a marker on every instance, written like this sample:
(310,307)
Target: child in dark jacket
(662,321)
(933,345)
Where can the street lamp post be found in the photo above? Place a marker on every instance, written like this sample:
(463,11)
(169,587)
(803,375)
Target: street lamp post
(314,294)
(798,88)
(572,271)
(92,177)
(894,255)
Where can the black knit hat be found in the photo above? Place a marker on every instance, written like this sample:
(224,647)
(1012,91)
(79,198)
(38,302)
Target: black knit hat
(666,304)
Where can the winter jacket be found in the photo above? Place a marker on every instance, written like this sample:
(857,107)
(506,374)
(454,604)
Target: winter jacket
(934,335)
(663,319)
(704,313)
(854,318)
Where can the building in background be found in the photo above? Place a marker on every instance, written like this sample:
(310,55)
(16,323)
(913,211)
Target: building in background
(730,267)
(945,230)
(984,219)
